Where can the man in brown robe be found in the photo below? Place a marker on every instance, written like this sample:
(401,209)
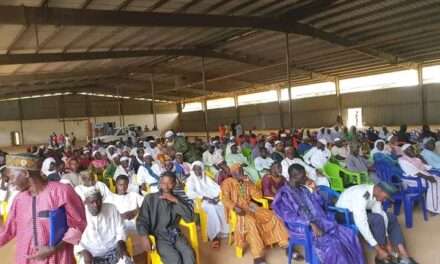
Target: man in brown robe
(256,226)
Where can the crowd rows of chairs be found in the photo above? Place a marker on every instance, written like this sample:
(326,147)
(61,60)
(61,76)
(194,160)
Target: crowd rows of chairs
(339,177)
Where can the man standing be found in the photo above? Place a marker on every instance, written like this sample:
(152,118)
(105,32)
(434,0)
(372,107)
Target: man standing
(27,221)
(160,215)
(380,229)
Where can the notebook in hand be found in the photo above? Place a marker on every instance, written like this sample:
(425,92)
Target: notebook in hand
(58,225)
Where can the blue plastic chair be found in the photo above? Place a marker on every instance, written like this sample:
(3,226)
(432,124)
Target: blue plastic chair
(304,240)
(329,194)
(409,196)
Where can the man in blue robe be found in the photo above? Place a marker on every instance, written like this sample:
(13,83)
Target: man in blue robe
(297,204)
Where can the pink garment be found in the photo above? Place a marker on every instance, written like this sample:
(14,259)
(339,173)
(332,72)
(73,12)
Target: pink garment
(20,223)
(416,162)
(99,164)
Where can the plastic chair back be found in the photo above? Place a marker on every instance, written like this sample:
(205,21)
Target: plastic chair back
(305,241)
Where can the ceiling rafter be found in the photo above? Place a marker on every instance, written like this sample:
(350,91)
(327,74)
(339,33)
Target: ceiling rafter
(96,55)
(87,17)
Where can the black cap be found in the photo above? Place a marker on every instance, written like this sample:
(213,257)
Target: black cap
(387,188)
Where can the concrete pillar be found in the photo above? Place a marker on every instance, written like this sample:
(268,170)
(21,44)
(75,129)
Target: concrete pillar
(338,97)
(205,107)
(153,103)
(289,82)
(422,94)
(280,108)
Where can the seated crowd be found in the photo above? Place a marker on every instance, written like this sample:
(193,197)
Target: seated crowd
(144,188)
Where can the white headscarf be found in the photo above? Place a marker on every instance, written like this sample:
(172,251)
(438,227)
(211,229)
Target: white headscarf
(376,150)
(45,168)
(198,187)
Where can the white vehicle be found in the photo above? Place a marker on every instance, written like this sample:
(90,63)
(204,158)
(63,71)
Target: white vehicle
(123,133)
(120,134)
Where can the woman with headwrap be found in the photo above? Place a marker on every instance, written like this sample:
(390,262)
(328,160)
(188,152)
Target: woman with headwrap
(199,186)
(99,163)
(413,166)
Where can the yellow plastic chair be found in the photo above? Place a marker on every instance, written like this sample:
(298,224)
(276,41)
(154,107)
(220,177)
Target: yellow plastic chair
(193,239)
(130,246)
(4,206)
(203,219)
(258,184)
(111,184)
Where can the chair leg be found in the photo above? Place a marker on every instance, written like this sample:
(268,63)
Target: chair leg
(424,210)
(408,207)
(204,226)
(239,252)
(290,253)
(397,205)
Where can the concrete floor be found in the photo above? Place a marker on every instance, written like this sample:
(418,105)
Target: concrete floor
(423,242)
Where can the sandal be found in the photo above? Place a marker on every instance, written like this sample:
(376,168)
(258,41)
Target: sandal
(297,256)
(215,244)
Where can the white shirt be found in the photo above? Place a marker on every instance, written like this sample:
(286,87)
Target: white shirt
(144,176)
(263,163)
(358,199)
(132,186)
(81,190)
(212,159)
(8,196)
(198,187)
(316,157)
(269,147)
(125,203)
(285,164)
(102,232)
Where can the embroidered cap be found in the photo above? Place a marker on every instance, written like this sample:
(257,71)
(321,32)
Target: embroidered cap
(23,161)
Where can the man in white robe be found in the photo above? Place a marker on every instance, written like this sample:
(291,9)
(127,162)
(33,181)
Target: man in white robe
(319,155)
(263,162)
(312,173)
(128,204)
(124,169)
(88,183)
(210,158)
(149,174)
(103,240)
(199,186)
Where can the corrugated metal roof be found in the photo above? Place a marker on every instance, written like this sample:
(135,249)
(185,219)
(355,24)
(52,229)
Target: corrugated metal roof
(349,38)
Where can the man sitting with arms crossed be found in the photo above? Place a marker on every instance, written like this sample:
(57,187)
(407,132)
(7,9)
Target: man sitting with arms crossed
(160,215)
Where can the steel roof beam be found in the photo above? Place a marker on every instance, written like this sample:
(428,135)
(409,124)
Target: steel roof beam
(96,55)
(87,17)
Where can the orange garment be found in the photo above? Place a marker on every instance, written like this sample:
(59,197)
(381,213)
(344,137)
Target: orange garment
(222,131)
(258,229)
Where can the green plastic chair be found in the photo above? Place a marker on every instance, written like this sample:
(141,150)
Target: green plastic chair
(247,152)
(354,178)
(333,171)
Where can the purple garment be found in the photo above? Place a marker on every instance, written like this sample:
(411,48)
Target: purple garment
(337,245)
